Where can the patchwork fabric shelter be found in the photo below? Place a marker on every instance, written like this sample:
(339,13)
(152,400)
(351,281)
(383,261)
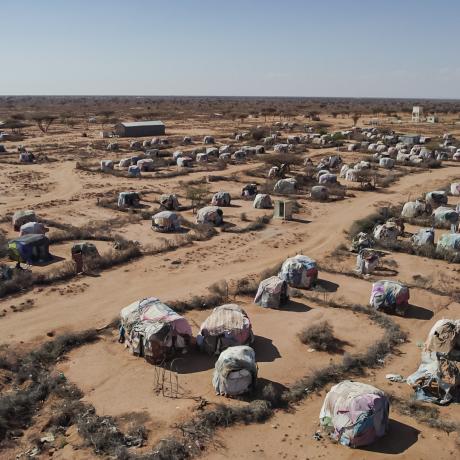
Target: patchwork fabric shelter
(272,293)
(211,215)
(436,380)
(227,326)
(166,221)
(361,241)
(389,295)
(262,201)
(30,249)
(366,261)
(355,413)
(33,228)
(319,192)
(445,217)
(128,199)
(106,165)
(416,208)
(444,337)
(169,202)
(436,198)
(455,188)
(23,217)
(299,271)
(449,243)
(154,330)
(423,237)
(235,371)
(284,186)
(249,191)
(221,199)
(85,248)
(387,231)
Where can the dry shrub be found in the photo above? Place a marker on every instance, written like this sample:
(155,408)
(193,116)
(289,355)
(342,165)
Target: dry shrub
(320,336)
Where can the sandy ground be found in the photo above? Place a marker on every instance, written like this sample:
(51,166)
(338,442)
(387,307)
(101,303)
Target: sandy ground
(117,383)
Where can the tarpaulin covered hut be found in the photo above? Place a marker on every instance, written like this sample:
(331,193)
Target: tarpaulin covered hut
(299,271)
(423,237)
(436,198)
(455,188)
(30,249)
(227,326)
(249,191)
(262,201)
(319,192)
(284,186)
(221,199)
(355,413)
(106,165)
(154,330)
(415,208)
(389,295)
(445,217)
(22,217)
(166,221)
(449,243)
(367,261)
(33,228)
(128,199)
(272,292)
(211,215)
(235,371)
(169,202)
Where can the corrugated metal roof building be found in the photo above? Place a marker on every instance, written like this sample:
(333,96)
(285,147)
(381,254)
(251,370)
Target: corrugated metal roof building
(140,128)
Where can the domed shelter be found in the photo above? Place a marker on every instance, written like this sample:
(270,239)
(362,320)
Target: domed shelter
(106,165)
(423,237)
(285,186)
(211,215)
(235,371)
(391,296)
(169,202)
(436,198)
(262,201)
(249,191)
(415,208)
(221,199)
(128,199)
(388,231)
(367,261)
(227,326)
(272,293)
(154,330)
(449,243)
(355,413)
(85,248)
(319,193)
(166,221)
(299,272)
(444,337)
(23,217)
(445,217)
(134,171)
(455,188)
(327,178)
(30,249)
(33,228)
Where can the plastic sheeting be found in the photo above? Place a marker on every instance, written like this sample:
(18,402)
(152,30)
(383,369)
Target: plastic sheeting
(436,380)
(390,295)
(445,217)
(169,202)
(235,371)
(272,292)
(211,215)
(413,209)
(32,228)
(444,337)
(166,221)
(319,192)
(284,186)
(423,237)
(387,231)
(221,199)
(366,261)
(153,329)
(262,201)
(299,271)
(22,217)
(436,198)
(356,413)
(227,326)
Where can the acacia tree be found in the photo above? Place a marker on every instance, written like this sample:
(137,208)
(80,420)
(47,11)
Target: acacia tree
(44,121)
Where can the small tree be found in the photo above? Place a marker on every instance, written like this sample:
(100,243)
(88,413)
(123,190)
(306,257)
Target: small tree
(355,118)
(44,121)
(198,196)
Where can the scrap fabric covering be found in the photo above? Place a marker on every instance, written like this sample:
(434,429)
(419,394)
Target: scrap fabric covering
(389,294)
(299,271)
(271,293)
(356,412)
(235,371)
(151,325)
(227,325)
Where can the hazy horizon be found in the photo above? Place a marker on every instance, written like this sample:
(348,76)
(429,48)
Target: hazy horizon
(208,48)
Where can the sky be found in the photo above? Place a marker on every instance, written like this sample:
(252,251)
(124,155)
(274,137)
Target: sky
(328,48)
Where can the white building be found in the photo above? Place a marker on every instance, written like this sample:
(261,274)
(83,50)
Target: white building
(417,114)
